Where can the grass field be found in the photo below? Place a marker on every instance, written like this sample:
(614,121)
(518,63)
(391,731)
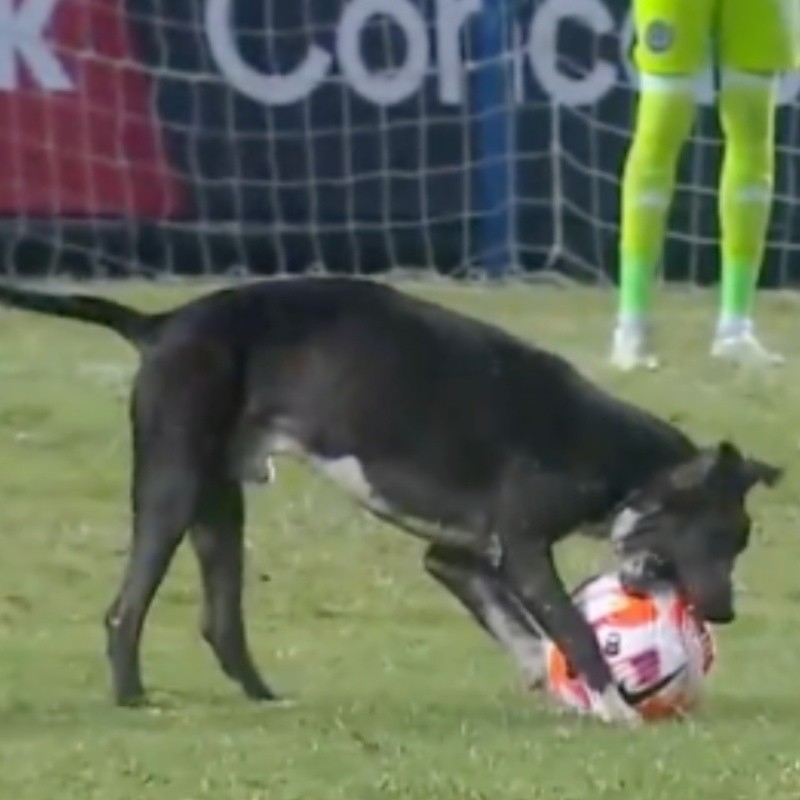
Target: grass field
(397,694)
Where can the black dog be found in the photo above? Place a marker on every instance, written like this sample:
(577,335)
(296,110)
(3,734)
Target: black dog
(490,449)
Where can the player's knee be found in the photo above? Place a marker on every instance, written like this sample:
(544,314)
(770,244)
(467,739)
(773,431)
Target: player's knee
(747,105)
(664,116)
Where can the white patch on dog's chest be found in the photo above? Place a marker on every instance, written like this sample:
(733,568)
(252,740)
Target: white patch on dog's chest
(348,474)
(345,472)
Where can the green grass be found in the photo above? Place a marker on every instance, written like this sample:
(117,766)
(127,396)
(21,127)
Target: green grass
(397,694)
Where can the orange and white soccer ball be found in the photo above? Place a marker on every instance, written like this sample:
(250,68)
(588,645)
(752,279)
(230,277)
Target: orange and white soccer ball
(658,650)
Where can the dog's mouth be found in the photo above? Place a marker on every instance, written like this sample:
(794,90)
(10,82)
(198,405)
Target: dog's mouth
(721,618)
(641,570)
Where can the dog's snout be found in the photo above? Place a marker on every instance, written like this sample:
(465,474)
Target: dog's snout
(711,593)
(718,610)
(722,616)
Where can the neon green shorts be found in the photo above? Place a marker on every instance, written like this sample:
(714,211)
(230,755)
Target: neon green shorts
(680,36)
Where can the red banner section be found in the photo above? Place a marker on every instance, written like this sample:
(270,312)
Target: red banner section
(80,134)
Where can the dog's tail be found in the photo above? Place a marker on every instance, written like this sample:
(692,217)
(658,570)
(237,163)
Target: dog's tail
(134,326)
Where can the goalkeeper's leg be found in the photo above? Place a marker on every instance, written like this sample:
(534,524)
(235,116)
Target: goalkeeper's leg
(664,119)
(747,104)
(672,38)
(754,48)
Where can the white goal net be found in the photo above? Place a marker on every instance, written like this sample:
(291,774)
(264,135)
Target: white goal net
(457,137)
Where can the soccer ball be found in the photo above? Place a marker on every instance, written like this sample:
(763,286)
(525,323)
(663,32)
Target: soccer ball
(658,650)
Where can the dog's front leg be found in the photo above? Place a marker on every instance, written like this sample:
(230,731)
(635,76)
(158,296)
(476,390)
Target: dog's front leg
(533,510)
(532,573)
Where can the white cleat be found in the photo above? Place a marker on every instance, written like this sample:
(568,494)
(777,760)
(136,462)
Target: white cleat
(630,350)
(742,347)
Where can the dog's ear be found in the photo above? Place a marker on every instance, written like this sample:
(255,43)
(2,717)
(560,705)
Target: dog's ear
(727,456)
(733,470)
(754,472)
(721,464)
(729,469)
(720,468)
(692,474)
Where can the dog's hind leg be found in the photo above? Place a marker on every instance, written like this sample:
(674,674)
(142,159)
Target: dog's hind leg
(163,507)
(477,586)
(182,408)
(217,536)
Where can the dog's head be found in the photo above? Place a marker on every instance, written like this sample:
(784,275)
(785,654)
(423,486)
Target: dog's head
(691,524)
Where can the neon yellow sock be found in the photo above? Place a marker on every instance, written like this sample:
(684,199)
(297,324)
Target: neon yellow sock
(636,287)
(663,120)
(747,115)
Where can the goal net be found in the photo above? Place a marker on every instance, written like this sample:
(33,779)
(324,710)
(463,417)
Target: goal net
(456,137)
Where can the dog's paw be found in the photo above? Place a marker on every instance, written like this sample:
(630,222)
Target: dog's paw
(532,665)
(132,699)
(609,706)
(534,678)
(256,689)
(284,702)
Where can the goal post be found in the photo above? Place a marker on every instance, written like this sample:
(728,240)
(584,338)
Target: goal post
(453,137)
